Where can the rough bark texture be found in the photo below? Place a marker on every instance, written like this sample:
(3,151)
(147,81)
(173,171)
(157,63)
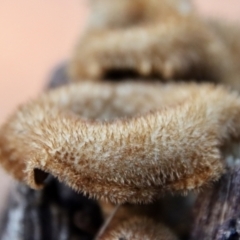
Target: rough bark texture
(55,213)
(217,211)
(59,76)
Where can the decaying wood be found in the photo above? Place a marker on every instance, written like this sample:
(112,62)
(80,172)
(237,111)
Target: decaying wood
(217,211)
(54,213)
(59,76)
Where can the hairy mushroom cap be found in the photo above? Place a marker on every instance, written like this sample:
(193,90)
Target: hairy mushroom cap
(118,14)
(160,38)
(163,39)
(137,228)
(127,142)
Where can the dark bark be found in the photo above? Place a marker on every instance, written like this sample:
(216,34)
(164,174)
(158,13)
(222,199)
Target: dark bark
(217,211)
(54,213)
(59,76)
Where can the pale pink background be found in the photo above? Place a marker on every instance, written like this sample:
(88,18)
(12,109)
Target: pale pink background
(36,35)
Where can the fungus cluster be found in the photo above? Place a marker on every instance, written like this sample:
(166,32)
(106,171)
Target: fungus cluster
(144,135)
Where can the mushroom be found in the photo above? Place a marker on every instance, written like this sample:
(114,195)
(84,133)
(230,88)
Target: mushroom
(124,142)
(166,138)
(133,142)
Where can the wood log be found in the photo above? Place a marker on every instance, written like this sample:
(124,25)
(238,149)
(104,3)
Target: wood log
(217,211)
(56,212)
(59,76)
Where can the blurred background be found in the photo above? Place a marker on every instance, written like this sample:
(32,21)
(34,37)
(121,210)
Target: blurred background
(35,36)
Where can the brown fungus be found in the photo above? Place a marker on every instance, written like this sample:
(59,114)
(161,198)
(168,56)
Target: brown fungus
(134,142)
(163,39)
(166,138)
